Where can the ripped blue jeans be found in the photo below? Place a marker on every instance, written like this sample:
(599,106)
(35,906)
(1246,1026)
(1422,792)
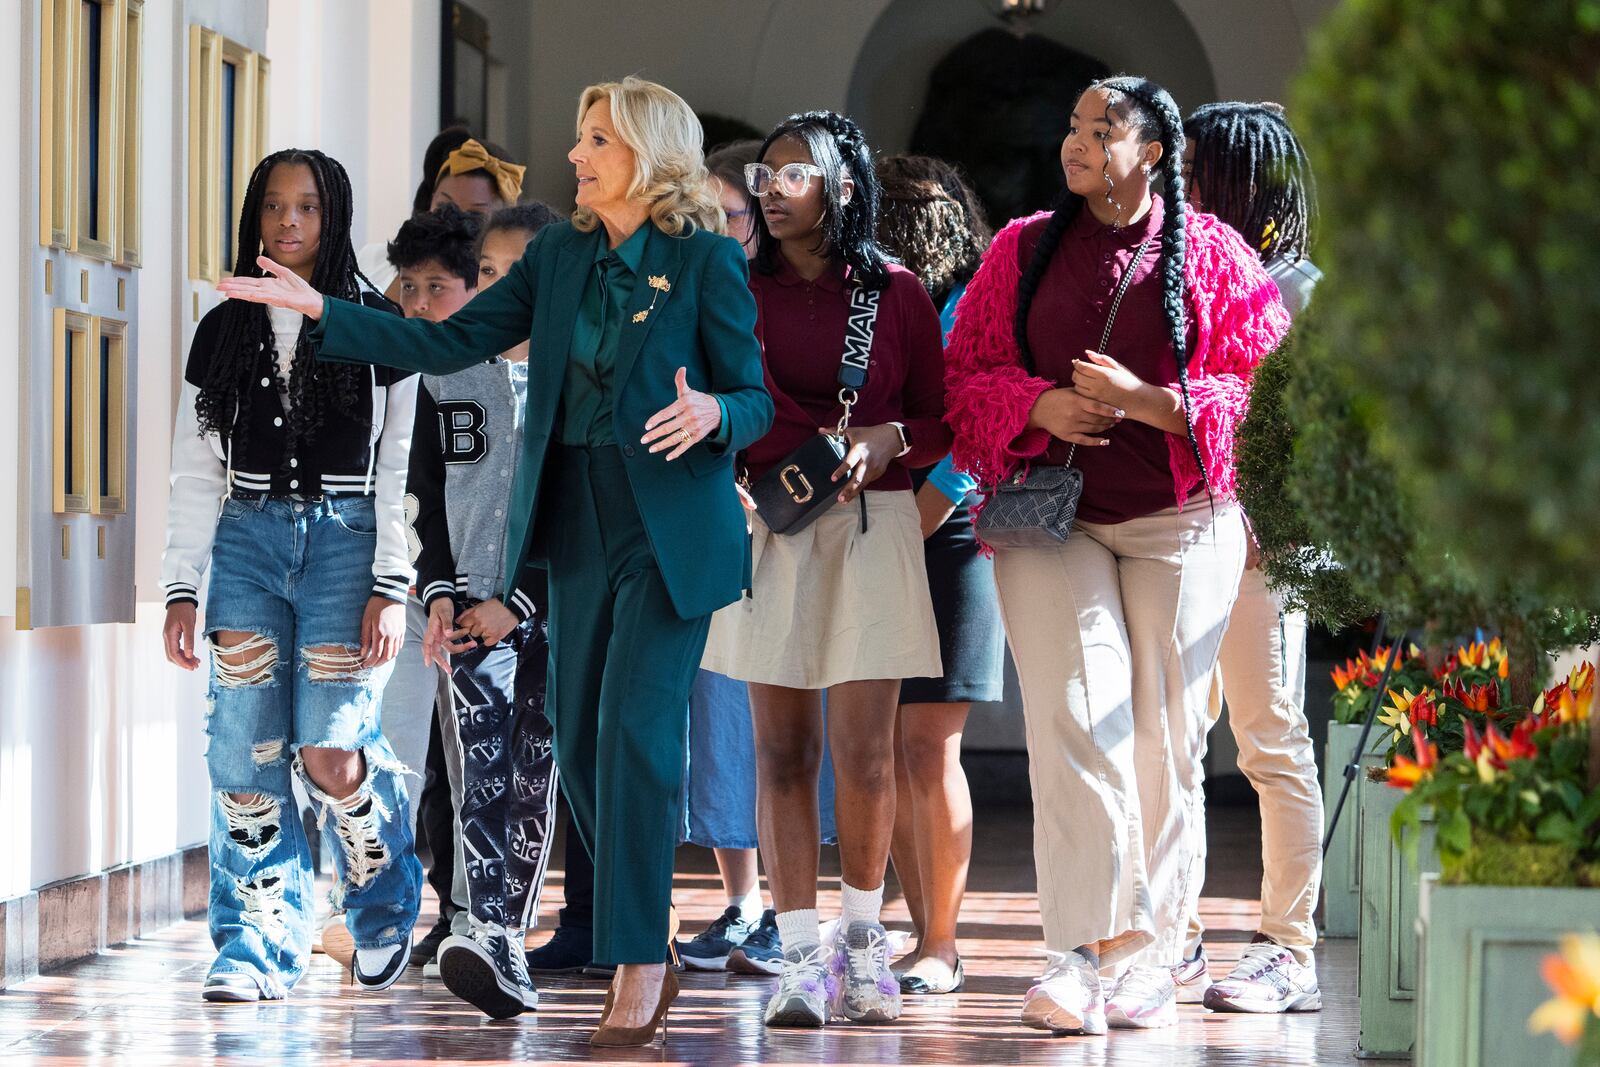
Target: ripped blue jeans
(295,576)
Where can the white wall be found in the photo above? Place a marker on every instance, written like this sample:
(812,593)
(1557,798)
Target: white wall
(101,740)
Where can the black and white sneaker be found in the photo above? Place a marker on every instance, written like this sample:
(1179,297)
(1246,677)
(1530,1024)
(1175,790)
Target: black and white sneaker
(379,968)
(483,970)
(230,987)
(1266,980)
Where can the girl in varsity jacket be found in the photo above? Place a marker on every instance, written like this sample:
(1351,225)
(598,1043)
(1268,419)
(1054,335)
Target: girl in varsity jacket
(309,573)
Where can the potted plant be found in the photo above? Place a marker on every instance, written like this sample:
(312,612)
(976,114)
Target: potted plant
(1517,831)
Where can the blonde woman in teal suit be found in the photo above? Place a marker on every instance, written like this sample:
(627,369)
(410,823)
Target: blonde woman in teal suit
(645,381)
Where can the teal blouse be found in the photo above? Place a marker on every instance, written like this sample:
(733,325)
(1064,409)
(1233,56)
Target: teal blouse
(585,415)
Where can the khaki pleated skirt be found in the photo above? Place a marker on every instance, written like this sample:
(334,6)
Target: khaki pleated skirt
(832,604)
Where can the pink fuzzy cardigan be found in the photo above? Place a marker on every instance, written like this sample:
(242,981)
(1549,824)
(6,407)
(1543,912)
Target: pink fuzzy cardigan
(1237,318)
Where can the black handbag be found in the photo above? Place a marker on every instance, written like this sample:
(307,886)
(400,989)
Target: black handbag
(795,493)
(1035,507)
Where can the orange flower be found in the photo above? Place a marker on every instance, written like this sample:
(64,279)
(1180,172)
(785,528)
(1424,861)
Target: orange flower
(1574,977)
(1407,772)
(1481,698)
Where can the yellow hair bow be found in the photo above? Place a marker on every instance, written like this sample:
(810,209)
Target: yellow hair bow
(473,156)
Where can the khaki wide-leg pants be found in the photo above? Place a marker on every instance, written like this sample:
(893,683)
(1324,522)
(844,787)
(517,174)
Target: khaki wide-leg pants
(1115,635)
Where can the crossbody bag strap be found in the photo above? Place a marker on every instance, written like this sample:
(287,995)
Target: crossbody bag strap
(1111,316)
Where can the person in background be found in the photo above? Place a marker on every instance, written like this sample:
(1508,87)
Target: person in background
(1116,630)
(841,607)
(1244,165)
(306,606)
(931,222)
(464,449)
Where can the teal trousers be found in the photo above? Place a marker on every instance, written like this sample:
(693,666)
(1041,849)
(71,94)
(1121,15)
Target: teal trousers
(621,666)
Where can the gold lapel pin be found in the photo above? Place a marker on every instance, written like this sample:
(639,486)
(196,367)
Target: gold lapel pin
(659,283)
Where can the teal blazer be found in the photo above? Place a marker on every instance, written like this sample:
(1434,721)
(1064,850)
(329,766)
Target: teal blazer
(705,322)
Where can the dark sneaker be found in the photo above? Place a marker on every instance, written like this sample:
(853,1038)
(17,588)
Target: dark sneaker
(484,970)
(567,952)
(709,951)
(1266,980)
(1192,978)
(379,968)
(761,951)
(423,952)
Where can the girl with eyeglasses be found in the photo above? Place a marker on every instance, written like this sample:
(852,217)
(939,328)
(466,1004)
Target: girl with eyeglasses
(840,607)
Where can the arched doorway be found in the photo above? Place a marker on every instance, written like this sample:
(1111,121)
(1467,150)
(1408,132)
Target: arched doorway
(997,106)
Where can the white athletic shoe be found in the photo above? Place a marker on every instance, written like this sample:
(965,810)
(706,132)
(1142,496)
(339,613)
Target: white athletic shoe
(1066,998)
(1144,999)
(379,968)
(806,988)
(869,992)
(1192,978)
(1266,980)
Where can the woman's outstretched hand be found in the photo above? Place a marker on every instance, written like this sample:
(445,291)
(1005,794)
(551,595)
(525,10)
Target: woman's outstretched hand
(281,288)
(693,417)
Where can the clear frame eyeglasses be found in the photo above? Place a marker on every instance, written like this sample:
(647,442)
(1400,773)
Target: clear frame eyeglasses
(791,179)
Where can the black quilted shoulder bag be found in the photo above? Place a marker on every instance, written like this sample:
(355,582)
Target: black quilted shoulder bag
(795,493)
(1034,508)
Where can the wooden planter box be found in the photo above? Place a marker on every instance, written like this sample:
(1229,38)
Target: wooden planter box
(1341,868)
(1386,979)
(1481,950)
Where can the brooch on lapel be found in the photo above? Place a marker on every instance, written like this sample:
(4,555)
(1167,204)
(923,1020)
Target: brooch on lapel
(659,283)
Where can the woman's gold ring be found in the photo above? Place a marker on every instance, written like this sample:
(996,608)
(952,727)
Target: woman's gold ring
(685,436)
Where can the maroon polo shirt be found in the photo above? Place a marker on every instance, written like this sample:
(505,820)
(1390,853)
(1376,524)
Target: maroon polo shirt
(801,326)
(1132,476)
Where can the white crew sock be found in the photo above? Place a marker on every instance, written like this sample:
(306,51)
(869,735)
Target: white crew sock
(859,905)
(799,930)
(749,905)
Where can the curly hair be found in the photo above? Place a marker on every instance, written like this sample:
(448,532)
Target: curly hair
(931,222)
(669,168)
(1153,114)
(317,391)
(448,236)
(849,232)
(1254,176)
(528,218)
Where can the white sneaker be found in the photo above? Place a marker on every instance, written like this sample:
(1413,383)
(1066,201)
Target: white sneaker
(1144,999)
(1192,978)
(1266,980)
(869,992)
(1066,998)
(806,989)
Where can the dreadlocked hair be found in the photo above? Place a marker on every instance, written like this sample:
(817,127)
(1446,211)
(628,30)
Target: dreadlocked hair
(848,232)
(1255,176)
(1150,110)
(930,221)
(245,338)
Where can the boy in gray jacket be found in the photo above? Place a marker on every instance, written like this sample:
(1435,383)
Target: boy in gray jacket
(464,452)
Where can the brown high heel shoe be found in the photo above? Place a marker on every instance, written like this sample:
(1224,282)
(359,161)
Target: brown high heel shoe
(627,1036)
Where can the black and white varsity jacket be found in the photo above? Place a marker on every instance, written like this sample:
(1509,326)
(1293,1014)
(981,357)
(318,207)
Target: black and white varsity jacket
(464,455)
(366,455)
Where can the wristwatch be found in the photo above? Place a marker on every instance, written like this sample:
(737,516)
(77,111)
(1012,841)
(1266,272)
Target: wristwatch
(905,439)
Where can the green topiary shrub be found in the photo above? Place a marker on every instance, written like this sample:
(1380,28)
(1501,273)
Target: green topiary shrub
(1456,145)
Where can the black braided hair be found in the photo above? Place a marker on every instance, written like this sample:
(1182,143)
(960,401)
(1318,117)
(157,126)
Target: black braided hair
(245,339)
(849,232)
(1152,112)
(448,236)
(1255,176)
